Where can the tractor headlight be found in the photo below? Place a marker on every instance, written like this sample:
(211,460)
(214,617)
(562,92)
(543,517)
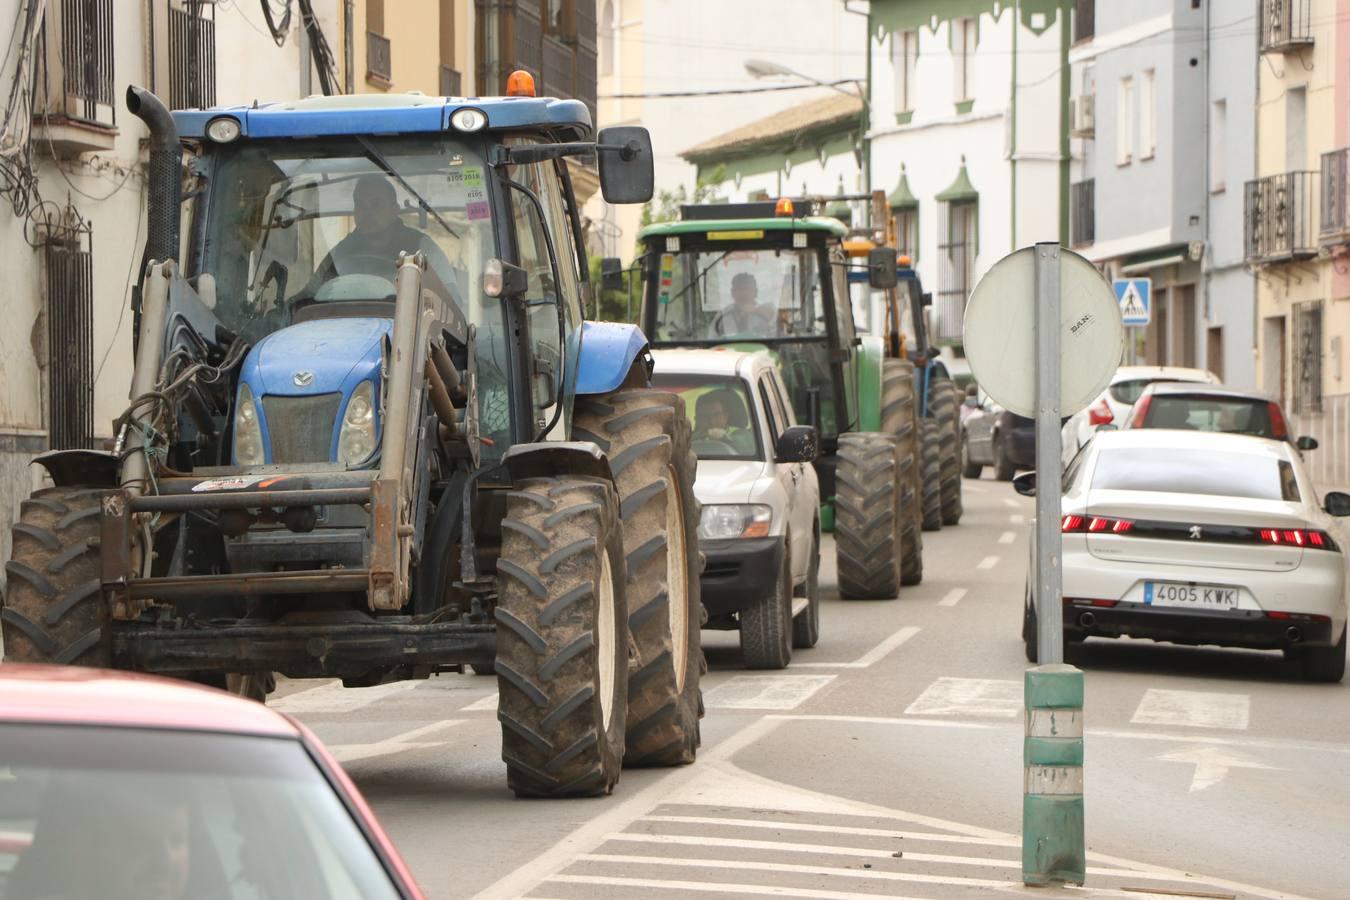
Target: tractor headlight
(734,520)
(356,442)
(248,441)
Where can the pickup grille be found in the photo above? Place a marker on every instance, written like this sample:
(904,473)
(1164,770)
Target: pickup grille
(300,429)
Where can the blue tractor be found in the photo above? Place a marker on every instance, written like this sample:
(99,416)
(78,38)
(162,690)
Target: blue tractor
(370,436)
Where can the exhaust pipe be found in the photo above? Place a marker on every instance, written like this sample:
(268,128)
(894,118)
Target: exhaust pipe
(1293,634)
(1087,620)
(165,185)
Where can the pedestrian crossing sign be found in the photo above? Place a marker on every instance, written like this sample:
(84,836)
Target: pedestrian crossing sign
(1135,296)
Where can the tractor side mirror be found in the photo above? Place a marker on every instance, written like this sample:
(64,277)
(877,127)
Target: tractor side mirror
(627,173)
(1336,503)
(881,262)
(798,444)
(1025,484)
(611,273)
(1306,443)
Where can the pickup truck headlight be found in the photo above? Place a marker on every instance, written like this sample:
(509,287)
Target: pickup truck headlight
(356,441)
(734,520)
(248,442)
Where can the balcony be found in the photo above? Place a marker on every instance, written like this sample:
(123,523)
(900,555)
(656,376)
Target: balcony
(1083,213)
(1286,25)
(1279,216)
(379,60)
(1336,197)
(73,102)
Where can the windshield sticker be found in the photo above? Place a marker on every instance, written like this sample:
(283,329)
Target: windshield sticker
(473,177)
(477,210)
(667,277)
(233,483)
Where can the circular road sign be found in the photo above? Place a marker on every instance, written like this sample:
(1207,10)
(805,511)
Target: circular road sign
(1000,338)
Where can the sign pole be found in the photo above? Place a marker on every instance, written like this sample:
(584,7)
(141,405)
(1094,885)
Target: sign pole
(1053,839)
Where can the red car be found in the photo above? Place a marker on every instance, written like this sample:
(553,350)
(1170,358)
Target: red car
(119,786)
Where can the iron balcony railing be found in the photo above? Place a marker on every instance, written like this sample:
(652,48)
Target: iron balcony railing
(379,59)
(1286,25)
(85,44)
(192,56)
(1083,212)
(1278,217)
(1336,197)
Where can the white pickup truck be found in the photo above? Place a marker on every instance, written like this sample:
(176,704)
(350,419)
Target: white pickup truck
(760,528)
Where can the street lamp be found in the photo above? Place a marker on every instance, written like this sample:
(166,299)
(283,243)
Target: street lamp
(763,68)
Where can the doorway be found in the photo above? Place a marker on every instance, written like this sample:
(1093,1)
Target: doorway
(1272,357)
(1214,351)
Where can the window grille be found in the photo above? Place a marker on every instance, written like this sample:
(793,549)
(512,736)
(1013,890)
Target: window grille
(1307,373)
(70,342)
(958,231)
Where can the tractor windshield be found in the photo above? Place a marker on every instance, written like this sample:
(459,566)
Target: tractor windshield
(293,224)
(739,294)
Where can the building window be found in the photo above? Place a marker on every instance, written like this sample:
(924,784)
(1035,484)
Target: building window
(958,234)
(904,58)
(192,55)
(907,232)
(1083,212)
(1218,146)
(607,35)
(77,36)
(1124,121)
(1084,19)
(1307,374)
(70,348)
(379,53)
(451,81)
(1148,116)
(964,37)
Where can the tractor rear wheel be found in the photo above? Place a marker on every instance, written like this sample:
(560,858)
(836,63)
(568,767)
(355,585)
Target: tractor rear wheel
(646,435)
(947,411)
(930,474)
(900,417)
(867,515)
(562,650)
(53,609)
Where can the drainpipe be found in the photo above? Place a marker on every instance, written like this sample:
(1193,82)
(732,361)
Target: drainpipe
(1206,269)
(349,52)
(867,119)
(1012,116)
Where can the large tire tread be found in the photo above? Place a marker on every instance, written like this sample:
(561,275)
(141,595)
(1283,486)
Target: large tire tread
(900,416)
(947,412)
(930,474)
(867,508)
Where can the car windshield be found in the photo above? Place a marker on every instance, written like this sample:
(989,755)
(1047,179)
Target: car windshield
(745,294)
(1222,473)
(297,223)
(721,413)
(119,813)
(1234,415)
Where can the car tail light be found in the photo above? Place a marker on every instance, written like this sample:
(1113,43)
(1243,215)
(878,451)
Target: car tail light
(1278,430)
(1297,617)
(1084,601)
(1100,414)
(1299,537)
(1140,412)
(1094,524)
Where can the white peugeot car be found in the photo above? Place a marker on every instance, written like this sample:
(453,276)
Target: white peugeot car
(1200,538)
(760,530)
(1113,405)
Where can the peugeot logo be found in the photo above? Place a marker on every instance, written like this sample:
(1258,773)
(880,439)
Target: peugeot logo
(1196,533)
(303,379)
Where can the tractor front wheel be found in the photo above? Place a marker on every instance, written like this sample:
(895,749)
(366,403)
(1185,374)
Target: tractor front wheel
(562,651)
(930,474)
(947,412)
(900,417)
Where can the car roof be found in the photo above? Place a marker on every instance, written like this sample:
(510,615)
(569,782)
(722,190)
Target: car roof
(711,361)
(1196,441)
(1208,390)
(1163,373)
(69,695)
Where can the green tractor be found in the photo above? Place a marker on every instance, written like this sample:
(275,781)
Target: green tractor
(758,276)
(371,438)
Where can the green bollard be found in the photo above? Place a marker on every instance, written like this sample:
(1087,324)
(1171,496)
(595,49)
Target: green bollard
(1053,845)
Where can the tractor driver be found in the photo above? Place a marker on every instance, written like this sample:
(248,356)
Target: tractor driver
(745,315)
(374,244)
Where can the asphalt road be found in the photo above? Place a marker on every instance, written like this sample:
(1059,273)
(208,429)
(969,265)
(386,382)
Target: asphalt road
(885,762)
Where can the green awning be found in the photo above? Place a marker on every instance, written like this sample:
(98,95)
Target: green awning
(900,15)
(960,190)
(902,197)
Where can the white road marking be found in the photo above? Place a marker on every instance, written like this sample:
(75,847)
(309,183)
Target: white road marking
(1007,537)
(334,698)
(708,887)
(1212,764)
(969,697)
(483,704)
(1008,501)
(953,597)
(743,865)
(1195,709)
(408,740)
(973,488)
(871,657)
(1017,519)
(988,563)
(776,825)
(764,691)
